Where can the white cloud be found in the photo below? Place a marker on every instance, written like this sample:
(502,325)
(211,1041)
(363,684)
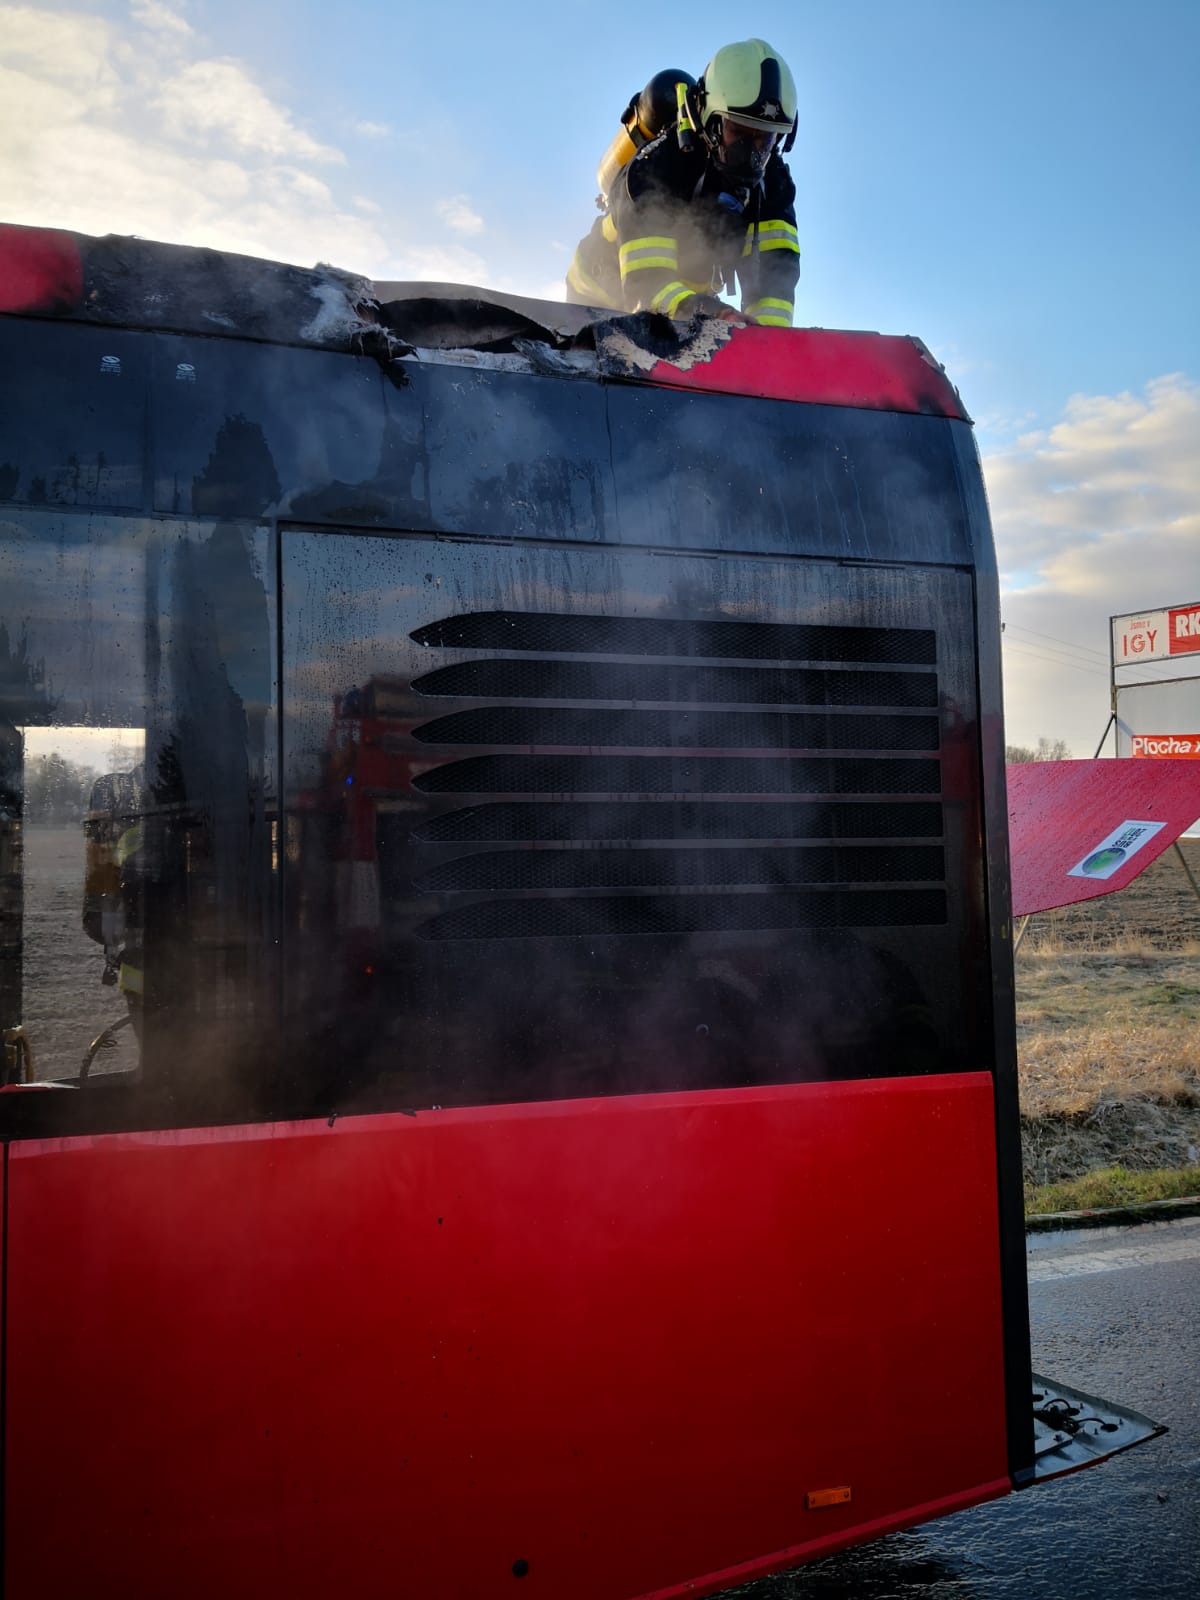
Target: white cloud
(65,51)
(219,99)
(133,126)
(532,285)
(455,211)
(1096,516)
(1119,476)
(440,265)
(372,130)
(153,14)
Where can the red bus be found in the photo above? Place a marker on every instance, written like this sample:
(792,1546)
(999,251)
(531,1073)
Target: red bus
(551,875)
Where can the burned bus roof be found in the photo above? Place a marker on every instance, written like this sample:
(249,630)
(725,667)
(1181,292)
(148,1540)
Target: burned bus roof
(135,283)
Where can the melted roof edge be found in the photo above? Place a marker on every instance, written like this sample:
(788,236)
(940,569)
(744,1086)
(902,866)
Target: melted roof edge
(141,284)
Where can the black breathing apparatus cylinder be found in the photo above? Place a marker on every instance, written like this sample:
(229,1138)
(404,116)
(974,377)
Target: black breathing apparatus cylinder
(661,103)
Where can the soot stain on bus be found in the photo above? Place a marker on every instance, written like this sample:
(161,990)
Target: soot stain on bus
(568,837)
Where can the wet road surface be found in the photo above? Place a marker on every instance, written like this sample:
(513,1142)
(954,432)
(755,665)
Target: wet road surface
(1117,1313)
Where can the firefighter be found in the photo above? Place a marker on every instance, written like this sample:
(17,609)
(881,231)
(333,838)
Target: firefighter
(705,206)
(112,896)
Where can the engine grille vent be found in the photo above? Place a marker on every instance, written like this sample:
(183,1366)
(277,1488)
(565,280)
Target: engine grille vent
(650,681)
(680,914)
(684,728)
(628,822)
(676,788)
(555,633)
(643,775)
(683,869)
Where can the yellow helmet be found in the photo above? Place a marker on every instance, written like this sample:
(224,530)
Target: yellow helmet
(751,84)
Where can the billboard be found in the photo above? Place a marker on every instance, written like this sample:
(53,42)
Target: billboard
(1157,716)
(1156,635)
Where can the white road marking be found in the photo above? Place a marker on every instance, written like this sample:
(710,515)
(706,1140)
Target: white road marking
(1132,1247)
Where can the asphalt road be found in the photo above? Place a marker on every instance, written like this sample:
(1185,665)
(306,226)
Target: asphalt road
(1116,1314)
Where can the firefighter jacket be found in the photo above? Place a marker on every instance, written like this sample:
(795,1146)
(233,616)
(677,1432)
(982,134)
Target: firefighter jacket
(674,231)
(113,895)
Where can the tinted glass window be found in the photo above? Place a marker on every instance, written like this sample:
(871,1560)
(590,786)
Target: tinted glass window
(136,825)
(550,820)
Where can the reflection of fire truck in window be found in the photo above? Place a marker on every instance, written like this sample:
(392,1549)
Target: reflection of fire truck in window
(351,826)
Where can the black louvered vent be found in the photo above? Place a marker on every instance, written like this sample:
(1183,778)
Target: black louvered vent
(555,633)
(682,777)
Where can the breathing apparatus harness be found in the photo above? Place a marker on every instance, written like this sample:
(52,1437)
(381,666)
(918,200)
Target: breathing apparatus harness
(738,198)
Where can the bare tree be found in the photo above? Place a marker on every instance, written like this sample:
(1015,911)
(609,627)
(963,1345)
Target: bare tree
(1045,750)
(122,757)
(57,790)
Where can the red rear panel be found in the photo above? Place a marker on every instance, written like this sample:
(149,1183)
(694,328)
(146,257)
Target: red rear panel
(607,1346)
(41,269)
(869,370)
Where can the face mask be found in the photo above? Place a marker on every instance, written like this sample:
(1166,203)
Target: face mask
(744,158)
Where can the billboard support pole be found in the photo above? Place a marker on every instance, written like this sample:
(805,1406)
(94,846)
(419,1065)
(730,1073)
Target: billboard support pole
(1112,717)
(1188,873)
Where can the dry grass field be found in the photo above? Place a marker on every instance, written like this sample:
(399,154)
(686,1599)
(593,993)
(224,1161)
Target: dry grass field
(1108,1030)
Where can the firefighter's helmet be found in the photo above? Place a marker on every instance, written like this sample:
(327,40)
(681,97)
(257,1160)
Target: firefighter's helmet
(750,85)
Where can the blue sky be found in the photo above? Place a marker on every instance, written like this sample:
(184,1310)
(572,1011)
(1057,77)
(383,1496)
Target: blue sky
(1016,183)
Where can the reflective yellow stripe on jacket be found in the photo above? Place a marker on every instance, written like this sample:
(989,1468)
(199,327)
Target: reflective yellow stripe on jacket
(657,254)
(639,255)
(129,843)
(131,980)
(669,299)
(771,311)
(773,235)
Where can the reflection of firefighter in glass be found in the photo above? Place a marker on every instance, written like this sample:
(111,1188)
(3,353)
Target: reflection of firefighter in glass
(178,855)
(15,1055)
(114,886)
(23,700)
(178,850)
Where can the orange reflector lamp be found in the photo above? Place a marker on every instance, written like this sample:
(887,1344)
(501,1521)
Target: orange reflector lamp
(815,1499)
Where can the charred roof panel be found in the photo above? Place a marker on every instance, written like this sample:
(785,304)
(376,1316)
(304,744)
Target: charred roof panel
(134,283)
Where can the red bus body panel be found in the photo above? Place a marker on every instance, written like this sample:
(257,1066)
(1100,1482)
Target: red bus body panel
(824,367)
(41,269)
(596,1344)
